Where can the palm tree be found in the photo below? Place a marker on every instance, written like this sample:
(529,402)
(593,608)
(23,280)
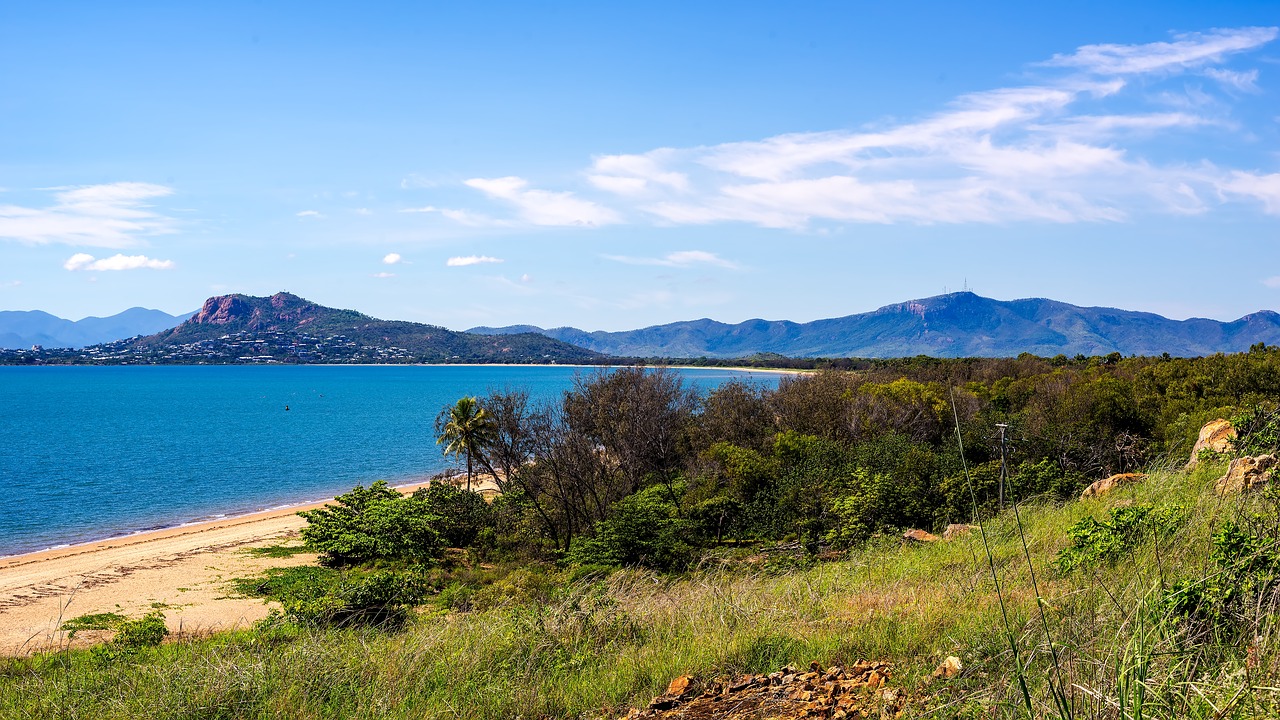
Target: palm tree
(465,428)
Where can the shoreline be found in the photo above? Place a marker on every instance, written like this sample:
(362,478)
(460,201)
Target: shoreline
(177,530)
(183,572)
(734,368)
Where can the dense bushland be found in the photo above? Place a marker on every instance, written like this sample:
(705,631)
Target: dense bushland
(833,457)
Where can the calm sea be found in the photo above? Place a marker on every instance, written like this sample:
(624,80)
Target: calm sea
(94,452)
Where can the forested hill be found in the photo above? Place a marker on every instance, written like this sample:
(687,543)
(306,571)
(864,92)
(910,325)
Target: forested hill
(954,325)
(288,326)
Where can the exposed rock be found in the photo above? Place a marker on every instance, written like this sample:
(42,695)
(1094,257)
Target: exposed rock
(1107,484)
(1246,473)
(1216,435)
(856,691)
(954,531)
(920,536)
(949,668)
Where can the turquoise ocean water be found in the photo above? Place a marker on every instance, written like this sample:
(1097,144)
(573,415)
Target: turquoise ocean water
(94,452)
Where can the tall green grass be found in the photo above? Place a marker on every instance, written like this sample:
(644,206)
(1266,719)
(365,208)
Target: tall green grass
(600,646)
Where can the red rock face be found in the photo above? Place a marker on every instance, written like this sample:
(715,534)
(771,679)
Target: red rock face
(221,311)
(284,309)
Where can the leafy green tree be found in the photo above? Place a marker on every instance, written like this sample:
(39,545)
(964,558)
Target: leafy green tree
(643,529)
(373,523)
(463,514)
(465,428)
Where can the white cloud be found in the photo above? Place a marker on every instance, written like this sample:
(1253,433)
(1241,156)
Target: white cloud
(1242,81)
(1068,147)
(362,211)
(382,275)
(1259,187)
(1272,282)
(16,283)
(681,259)
(544,207)
(636,174)
(391,258)
(114,215)
(85,261)
(462,217)
(471,260)
(310,213)
(1186,51)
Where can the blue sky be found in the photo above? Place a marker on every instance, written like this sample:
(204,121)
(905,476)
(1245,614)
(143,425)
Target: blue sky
(611,166)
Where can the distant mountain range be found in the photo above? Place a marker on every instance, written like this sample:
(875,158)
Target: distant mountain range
(25,328)
(288,327)
(954,325)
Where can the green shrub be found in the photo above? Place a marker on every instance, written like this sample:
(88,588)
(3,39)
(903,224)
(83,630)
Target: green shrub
(644,529)
(462,514)
(715,518)
(374,523)
(317,596)
(1095,542)
(1245,565)
(147,631)
(1257,430)
(381,598)
(525,586)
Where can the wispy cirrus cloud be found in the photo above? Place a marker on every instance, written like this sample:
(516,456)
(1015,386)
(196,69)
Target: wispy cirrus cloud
(679,259)
(1263,188)
(471,260)
(1242,81)
(112,215)
(544,207)
(85,261)
(1089,139)
(1187,50)
(461,217)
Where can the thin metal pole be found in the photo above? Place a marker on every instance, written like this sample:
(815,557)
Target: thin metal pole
(1004,472)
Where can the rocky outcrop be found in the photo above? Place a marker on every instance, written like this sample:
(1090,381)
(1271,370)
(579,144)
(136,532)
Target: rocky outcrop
(1246,473)
(856,691)
(1216,435)
(954,531)
(1107,484)
(919,536)
(222,310)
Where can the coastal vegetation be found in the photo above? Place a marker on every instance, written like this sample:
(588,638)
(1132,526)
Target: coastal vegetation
(645,532)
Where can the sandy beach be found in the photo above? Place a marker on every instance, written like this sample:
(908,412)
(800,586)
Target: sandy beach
(182,571)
